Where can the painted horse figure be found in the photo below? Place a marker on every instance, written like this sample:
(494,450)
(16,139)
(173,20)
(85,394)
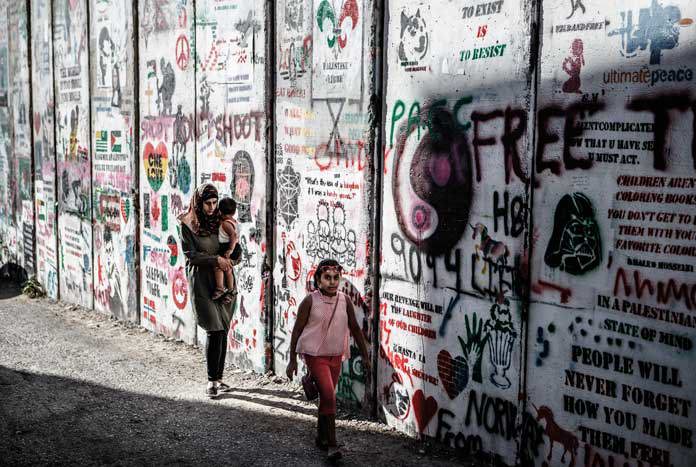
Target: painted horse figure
(493,250)
(557,434)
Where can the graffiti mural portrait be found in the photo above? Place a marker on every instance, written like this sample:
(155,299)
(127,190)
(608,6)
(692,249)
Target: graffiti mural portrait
(575,245)
(242,184)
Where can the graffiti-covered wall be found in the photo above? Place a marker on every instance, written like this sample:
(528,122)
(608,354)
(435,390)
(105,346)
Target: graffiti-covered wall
(21,184)
(114,188)
(71,71)
(43,105)
(324,74)
(167,162)
(8,232)
(508,184)
(16,184)
(611,332)
(231,84)
(456,173)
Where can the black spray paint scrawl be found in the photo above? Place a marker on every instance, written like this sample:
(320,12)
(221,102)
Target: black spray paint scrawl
(575,246)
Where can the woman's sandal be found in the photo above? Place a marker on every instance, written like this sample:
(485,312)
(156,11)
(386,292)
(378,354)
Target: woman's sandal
(218,294)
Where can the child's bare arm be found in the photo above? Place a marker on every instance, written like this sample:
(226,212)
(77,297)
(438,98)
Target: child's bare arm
(231,232)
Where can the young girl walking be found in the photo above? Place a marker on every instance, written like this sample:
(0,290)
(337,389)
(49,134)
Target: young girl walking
(325,320)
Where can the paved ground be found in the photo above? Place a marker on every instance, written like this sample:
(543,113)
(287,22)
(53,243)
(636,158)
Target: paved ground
(79,388)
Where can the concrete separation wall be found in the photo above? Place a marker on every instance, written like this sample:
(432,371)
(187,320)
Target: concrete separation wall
(167,162)
(324,70)
(19,100)
(43,125)
(231,84)
(114,191)
(610,360)
(17,212)
(73,149)
(509,186)
(8,238)
(456,173)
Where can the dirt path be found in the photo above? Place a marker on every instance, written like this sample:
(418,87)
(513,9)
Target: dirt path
(77,387)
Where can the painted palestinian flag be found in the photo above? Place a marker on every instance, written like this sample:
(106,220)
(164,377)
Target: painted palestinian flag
(116,141)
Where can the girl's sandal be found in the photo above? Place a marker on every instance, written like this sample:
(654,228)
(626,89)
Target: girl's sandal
(321,444)
(334,454)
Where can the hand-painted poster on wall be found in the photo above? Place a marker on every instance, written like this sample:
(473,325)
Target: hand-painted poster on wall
(71,71)
(228,41)
(113,159)
(167,164)
(613,278)
(231,79)
(44,147)
(294,55)
(455,180)
(337,49)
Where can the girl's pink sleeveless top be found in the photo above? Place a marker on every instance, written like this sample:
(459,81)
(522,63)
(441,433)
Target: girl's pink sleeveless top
(312,341)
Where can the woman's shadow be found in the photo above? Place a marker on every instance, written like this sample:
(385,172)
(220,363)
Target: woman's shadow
(283,399)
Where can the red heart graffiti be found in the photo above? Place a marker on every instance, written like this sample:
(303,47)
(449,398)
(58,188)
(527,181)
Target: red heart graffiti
(424,409)
(454,373)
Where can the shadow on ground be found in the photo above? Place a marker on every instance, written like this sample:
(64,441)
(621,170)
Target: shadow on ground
(50,419)
(9,289)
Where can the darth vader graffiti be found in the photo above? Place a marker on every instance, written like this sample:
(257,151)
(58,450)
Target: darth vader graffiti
(575,246)
(242,184)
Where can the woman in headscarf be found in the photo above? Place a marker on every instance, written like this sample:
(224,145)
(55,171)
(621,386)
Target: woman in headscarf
(199,239)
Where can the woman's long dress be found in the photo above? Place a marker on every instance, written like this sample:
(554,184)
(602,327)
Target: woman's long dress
(201,261)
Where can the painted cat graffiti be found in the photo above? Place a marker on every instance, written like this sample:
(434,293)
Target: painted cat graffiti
(414,39)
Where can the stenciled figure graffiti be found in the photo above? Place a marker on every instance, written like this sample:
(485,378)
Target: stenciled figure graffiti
(204,96)
(112,276)
(106,48)
(575,245)
(572,66)
(165,91)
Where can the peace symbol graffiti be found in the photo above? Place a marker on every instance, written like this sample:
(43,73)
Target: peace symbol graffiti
(183,52)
